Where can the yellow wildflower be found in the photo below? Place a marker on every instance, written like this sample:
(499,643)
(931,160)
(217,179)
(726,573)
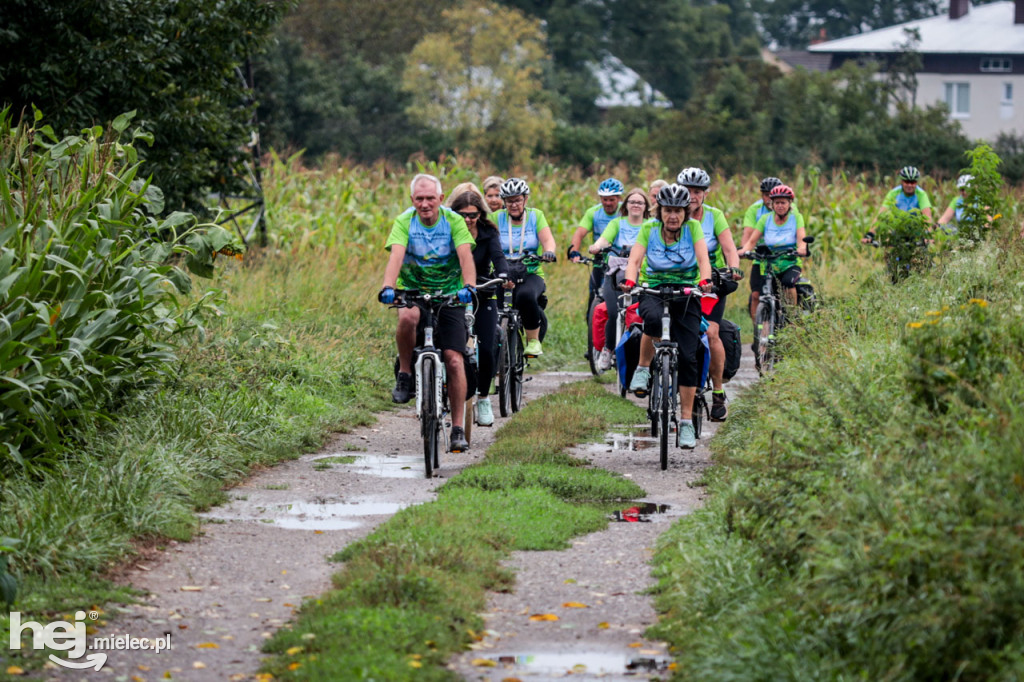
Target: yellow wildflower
(914,325)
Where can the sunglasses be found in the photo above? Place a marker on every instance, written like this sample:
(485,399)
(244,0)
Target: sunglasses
(469,215)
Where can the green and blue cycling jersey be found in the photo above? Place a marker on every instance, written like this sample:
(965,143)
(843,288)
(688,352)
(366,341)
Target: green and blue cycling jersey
(521,239)
(755,212)
(670,263)
(897,198)
(431,263)
(714,223)
(622,234)
(780,237)
(596,220)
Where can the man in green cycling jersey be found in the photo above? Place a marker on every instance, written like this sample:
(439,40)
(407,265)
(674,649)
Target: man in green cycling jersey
(722,252)
(432,250)
(907,197)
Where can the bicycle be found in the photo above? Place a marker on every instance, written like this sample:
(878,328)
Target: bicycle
(664,394)
(594,297)
(769,316)
(510,342)
(432,404)
(472,349)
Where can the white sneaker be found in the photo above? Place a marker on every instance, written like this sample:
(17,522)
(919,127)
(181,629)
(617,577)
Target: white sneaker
(604,361)
(484,413)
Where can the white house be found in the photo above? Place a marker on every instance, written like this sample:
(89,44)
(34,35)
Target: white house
(973,60)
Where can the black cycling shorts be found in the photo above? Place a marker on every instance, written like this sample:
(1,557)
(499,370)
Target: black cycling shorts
(449,328)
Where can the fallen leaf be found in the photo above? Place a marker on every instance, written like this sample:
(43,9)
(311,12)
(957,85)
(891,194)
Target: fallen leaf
(673,666)
(191,588)
(14,670)
(294,666)
(569,581)
(574,605)
(228,637)
(284,572)
(484,663)
(198,665)
(136,678)
(144,668)
(208,645)
(294,650)
(318,532)
(511,679)
(263,599)
(168,675)
(636,645)
(543,617)
(603,626)
(415,664)
(291,606)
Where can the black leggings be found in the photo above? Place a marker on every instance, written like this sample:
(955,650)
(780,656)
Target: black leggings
(525,299)
(486,329)
(684,315)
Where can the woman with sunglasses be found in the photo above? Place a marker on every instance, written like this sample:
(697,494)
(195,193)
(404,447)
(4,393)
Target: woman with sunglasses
(490,262)
(672,250)
(619,235)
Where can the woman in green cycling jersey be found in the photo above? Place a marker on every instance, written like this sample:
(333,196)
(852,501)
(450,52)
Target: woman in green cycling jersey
(782,229)
(672,250)
(620,235)
(522,231)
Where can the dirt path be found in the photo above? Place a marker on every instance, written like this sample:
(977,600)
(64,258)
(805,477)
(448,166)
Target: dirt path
(257,557)
(603,575)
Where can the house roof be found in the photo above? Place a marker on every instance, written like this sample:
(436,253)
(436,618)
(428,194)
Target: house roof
(802,59)
(986,29)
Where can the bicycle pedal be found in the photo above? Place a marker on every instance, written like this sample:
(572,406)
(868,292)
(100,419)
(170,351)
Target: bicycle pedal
(525,379)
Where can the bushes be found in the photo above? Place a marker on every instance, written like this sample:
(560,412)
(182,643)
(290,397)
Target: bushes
(87,295)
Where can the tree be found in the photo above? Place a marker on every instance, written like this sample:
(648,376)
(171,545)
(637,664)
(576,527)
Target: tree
(795,23)
(86,62)
(479,80)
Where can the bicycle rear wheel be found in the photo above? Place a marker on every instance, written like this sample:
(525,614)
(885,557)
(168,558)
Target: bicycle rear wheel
(664,412)
(428,415)
(765,321)
(515,345)
(700,406)
(504,370)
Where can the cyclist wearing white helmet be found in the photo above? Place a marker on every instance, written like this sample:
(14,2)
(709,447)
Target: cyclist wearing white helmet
(431,250)
(955,211)
(672,250)
(525,230)
(907,197)
(722,252)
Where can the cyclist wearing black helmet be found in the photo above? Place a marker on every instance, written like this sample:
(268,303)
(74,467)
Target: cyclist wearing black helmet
(907,197)
(525,230)
(672,250)
(722,252)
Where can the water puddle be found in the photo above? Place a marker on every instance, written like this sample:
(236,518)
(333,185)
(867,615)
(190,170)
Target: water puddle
(305,515)
(631,438)
(642,513)
(386,466)
(584,662)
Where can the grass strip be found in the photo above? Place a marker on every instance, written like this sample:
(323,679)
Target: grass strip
(864,521)
(409,594)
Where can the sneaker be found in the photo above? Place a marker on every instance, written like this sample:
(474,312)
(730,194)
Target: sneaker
(458,440)
(686,438)
(718,407)
(532,348)
(403,388)
(641,378)
(484,413)
(604,361)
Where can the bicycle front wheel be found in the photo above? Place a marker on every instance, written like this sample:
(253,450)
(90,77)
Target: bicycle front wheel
(504,372)
(700,406)
(765,321)
(428,415)
(664,412)
(515,345)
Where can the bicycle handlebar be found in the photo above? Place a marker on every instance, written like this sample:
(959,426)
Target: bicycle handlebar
(407,298)
(668,290)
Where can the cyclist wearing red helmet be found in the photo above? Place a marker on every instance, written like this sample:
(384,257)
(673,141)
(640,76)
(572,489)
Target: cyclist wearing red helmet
(782,229)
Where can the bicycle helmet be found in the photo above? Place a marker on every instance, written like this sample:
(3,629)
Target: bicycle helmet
(963,181)
(676,196)
(513,187)
(694,177)
(609,188)
(769,183)
(910,173)
(782,192)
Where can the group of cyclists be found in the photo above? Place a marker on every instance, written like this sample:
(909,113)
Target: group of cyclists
(667,235)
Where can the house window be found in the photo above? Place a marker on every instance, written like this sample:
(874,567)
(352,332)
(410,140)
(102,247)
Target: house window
(1007,92)
(990,65)
(958,99)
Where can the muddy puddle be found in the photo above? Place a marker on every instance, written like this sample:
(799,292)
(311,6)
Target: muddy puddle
(386,466)
(302,515)
(642,513)
(584,662)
